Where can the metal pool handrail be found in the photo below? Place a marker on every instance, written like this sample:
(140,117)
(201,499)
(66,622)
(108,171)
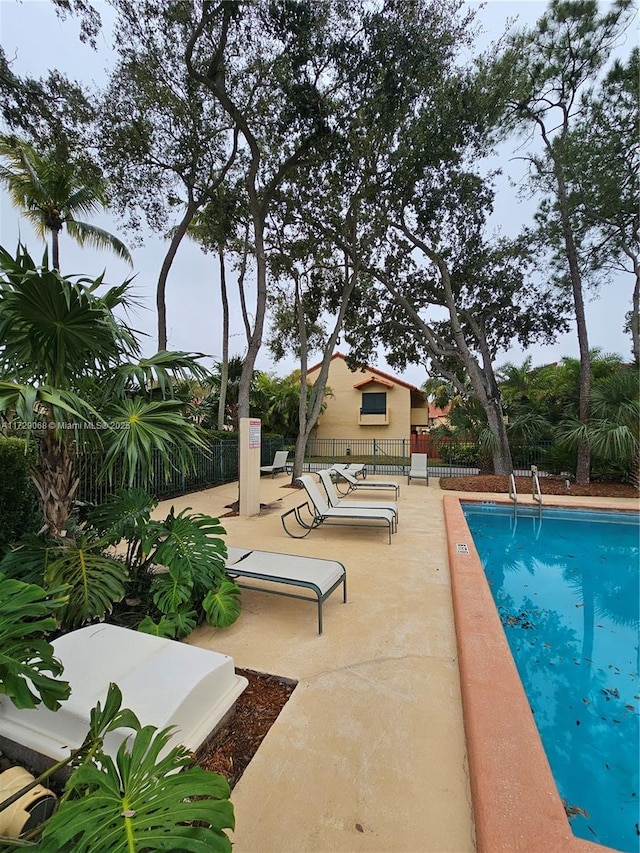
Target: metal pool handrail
(513,492)
(536,494)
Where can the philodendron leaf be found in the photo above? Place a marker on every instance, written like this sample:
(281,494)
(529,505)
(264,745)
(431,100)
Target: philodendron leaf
(176,625)
(165,627)
(140,803)
(28,667)
(222,606)
(172,589)
(95,581)
(111,716)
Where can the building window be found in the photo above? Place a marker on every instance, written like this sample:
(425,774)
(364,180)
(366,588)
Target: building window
(374,404)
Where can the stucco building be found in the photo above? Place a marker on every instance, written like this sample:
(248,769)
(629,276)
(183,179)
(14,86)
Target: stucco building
(369,403)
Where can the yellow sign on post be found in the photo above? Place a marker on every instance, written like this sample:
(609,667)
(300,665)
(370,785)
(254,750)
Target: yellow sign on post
(249,466)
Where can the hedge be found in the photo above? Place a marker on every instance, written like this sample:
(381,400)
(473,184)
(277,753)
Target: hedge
(19,507)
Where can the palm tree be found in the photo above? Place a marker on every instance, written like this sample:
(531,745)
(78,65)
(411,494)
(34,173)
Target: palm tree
(70,374)
(614,430)
(51,194)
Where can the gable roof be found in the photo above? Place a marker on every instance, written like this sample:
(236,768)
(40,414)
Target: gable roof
(373,378)
(374,370)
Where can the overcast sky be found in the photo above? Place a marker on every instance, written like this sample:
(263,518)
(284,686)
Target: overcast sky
(37,40)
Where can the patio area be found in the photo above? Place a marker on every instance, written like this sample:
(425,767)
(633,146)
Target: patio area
(369,753)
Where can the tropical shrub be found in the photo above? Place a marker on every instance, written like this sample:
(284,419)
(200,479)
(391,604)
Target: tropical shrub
(139,802)
(148,799)
(162,576)
(19,512)
(94,581)
(454,453)
(28,668)
(191,553)
(71,374)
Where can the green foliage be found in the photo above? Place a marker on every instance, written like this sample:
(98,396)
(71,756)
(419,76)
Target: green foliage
(68,363)
(548,75)
(543,404)
(180,624)
(18,498)
(94,581)
(168,568)
(454,453)
(124,515)
(149,798)
(139,802)
(51,192)
(222,605)
(25,656)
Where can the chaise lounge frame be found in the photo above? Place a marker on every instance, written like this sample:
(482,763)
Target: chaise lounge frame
(302,572)
(320,512)
(280,463)
(338,502)
(353,484)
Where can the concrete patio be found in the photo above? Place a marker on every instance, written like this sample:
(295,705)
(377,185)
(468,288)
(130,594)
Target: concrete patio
(369,753)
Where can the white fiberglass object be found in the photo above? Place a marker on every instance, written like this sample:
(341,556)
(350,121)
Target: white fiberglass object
(164,682)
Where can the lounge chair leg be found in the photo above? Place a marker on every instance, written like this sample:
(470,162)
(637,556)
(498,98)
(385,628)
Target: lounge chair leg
(296,515)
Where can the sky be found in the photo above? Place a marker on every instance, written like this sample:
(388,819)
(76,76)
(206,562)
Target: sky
(36,40)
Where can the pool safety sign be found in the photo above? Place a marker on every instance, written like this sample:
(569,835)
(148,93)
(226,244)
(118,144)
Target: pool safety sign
(461,548)
(254,433)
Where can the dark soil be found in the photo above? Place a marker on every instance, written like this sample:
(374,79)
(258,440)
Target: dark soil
(233,747)
(548,486)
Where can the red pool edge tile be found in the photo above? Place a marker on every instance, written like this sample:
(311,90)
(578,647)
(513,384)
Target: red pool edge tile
(516,804)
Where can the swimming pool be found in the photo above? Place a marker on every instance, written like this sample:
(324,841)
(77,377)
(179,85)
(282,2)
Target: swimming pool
(566,589)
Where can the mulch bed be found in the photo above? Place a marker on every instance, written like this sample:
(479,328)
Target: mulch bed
(234,745)
(548,486)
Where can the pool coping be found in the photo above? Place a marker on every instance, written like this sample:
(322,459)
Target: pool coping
(516,804)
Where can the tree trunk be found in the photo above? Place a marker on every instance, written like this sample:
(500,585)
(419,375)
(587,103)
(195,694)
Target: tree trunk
(583,464)
(500,452)
(56,481)
(224,365)
(310,406)
(55,248)
(244,390)
(634,319)
(161,304)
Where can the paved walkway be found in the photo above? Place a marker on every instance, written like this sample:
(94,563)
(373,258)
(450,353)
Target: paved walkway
(368,755)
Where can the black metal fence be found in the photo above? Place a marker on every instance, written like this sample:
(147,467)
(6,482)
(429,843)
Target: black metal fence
(211,467)
(393,456)
(219,463)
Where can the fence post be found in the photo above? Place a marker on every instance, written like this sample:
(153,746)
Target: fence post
(375,448)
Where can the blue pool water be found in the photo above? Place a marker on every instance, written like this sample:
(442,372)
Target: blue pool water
(567,590)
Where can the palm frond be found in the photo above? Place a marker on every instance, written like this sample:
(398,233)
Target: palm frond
(139,428)
(91,235)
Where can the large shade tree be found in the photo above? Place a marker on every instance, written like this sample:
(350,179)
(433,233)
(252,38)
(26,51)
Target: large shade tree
(603,153)
(546,73)
(166,145)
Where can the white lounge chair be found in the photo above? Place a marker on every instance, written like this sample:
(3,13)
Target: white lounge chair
(353,483)
(321,577)
(336,501)
(419,469)
(356,469)
(320,512)
(279,463)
